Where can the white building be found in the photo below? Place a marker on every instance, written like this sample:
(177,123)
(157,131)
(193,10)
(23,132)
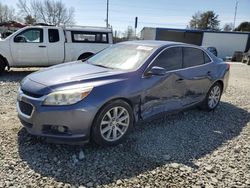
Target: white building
(226,43)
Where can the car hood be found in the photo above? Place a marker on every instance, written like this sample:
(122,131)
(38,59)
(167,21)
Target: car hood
(69,72)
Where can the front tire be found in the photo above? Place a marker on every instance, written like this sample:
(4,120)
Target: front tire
(112,123)
(213,97)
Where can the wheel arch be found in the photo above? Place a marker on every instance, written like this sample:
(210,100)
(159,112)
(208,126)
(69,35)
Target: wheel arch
(85,55)
(221,83)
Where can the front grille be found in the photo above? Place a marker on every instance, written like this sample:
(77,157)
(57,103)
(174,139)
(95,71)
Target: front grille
(31,94)
(25,108)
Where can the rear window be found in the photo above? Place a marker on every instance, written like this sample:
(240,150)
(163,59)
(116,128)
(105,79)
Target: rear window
(89,37)
(170,59)
(192,57)
(53,35)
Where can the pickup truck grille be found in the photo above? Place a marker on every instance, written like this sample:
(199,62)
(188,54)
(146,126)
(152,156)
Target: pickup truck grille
(25,108)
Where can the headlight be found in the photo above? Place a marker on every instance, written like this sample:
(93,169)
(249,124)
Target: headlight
(67,97)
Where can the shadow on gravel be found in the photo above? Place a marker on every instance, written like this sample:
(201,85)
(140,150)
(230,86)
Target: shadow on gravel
(177,138)
(16,75)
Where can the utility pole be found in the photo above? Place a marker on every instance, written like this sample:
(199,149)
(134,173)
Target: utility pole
(107,16)
(235,13)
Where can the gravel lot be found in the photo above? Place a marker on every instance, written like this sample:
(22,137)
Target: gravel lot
(189,149)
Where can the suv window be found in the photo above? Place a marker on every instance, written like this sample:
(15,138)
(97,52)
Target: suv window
(30,36)
(170,59)
(89,37)
(192,57)
(53,35)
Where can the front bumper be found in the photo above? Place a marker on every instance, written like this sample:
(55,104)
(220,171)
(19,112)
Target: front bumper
(76,120)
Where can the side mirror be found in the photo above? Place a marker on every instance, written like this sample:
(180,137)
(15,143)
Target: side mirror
(159,71)
(20,38)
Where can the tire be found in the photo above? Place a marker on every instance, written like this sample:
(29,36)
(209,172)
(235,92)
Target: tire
(2,65)
(248,61)
(214,96)
(106,129)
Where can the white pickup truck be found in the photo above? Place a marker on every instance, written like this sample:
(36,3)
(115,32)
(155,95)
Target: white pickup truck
(36,46)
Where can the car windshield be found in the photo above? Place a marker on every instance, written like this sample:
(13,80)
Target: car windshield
(122,56)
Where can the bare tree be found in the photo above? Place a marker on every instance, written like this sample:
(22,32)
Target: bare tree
(6,13)
(47,11)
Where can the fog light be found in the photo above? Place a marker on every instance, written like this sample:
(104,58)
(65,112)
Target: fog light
(61,129)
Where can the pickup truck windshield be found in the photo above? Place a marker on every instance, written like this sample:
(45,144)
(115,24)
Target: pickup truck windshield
(122,56)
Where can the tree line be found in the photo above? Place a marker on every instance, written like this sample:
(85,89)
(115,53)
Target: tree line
(52,12)
(209,20)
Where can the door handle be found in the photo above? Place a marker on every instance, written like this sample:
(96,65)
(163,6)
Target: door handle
(179,80)
(42,46)
(208,73)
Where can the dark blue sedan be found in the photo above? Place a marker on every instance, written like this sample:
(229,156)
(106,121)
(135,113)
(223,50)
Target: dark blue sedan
(100,99)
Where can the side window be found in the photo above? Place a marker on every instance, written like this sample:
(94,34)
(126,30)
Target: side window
(170,59)
(206,58)
(53,35)
(30,36)
(192,57)
(89,37)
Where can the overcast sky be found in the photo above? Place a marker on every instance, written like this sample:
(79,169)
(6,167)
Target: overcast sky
(151,13)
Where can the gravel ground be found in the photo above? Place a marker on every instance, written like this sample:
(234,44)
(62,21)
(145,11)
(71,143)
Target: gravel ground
(189,149)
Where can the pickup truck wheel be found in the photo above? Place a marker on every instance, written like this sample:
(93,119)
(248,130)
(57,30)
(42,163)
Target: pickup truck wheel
(2,65)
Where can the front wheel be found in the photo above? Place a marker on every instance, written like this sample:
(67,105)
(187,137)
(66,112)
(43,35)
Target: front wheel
(2,65)
(213,96)
(112,123)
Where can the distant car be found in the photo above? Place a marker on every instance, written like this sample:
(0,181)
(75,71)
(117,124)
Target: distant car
(237,56)
(246,57)
(211,49)
(102,98)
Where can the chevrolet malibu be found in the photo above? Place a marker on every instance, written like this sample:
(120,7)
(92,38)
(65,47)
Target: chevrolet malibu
(102,98)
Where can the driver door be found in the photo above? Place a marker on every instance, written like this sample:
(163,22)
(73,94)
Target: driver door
(28,48)
(164,92)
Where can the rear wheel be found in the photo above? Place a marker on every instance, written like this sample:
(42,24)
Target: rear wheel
(213,96)
(112,123)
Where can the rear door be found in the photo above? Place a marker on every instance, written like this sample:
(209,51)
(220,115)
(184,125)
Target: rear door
(55,46)
(28,48)
(197,69)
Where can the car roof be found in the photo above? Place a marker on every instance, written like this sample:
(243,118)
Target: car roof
(156,43)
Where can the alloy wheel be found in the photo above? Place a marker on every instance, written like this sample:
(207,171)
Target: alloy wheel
(214,97)
(114,123)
